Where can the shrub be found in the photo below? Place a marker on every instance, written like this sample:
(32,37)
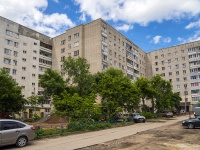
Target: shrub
(149,115)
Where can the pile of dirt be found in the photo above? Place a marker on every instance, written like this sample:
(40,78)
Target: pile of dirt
(55,119)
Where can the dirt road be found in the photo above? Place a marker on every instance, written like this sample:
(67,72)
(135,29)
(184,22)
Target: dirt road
(79,141)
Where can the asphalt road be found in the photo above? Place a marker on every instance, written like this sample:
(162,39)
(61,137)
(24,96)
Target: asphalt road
(86,139)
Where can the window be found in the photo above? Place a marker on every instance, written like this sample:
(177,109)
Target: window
(176,59)
(34,51)
(163,68)
(24,51)
(76,44)
(33,83)
(7,61)
(7,125)
(170,80)
(122,43)
(23,78)
(169,54)
(76,53)
(62,50)
(175,53)
(162,55)
(169,67)
(69,38)
(7,51)
(178,86)
(14,62)
(104,57)
(104,48)
(156,63)
(69,46)
(177,72)
(62,42)
(35,43)
(16,44)
(163,74)
(14,71)
(184,65)
(157,69)
(185,78)
(62,58)
(156,57)
(104,39)
(25,44)
(184,71)
(76,35)
(24,68)
(15,53)
(170,73)
(34,66)
(183,58)
(6,69)
(24,59)
(162,62)
(104,29)
(34,58)
(8,32)
(177,79)
(118,40)
(115,54)
(176,66)
(169,61)
(9,42)
(182,51)
(33,75)
(110,52)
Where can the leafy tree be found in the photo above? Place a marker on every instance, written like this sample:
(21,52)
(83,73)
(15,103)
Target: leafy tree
(79,77)
(144,88)
(11,99)
(52,82)
(116,91)
(175,101)
(34,101)
(76,107)
(163,90)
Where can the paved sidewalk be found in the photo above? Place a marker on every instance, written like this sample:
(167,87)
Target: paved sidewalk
(86,139)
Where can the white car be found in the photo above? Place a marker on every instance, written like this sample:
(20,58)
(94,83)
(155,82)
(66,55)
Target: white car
(136,117)
(15,132)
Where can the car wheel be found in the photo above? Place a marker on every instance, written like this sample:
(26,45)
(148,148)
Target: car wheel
(135,120)
(21,141)
(190,126)
(144,121)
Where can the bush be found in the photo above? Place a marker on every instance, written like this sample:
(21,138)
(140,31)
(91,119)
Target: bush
(41,133)
(149,115)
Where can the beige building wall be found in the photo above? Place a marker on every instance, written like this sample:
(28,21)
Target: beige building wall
(173,64)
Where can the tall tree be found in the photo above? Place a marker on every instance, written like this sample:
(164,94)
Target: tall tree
(78,75)
(163,90)
(11,99)
(116,91)
(52,82)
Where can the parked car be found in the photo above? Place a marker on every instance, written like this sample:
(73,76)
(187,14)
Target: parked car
(192,123)
(196,111)
(15,132)
(167,114)
(136,117)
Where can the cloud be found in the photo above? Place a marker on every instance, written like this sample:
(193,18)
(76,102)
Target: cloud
(124,27)
(82,18)
(194,37)
(193,24)
(56,1)
(139,11)
(167,40)
(31,14)
(156,39)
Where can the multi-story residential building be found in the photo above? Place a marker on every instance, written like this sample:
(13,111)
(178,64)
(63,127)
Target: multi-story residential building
(103,47)
(26,54)
(181,66)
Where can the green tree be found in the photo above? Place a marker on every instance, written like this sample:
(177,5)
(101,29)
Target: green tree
(162,95)
(116,91)
(175,101)
(52,82)
(78,75)
(76,107)
(11,99)
(35,101)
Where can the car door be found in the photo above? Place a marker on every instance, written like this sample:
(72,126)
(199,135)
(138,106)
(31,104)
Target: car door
(9,132)
(198,122)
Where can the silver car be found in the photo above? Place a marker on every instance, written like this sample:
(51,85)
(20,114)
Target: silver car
(15,132)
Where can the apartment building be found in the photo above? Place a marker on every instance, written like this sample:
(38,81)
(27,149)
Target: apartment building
(103,47)
(181,66)
(25,54)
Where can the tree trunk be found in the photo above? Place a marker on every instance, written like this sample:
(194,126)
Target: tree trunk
(153,105)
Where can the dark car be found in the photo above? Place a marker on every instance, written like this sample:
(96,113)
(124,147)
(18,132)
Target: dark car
(167,114)
(15,132)
(192,123)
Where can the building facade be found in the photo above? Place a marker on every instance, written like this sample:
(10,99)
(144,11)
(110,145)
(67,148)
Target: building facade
(26,54)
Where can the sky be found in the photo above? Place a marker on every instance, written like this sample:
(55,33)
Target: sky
(150,24)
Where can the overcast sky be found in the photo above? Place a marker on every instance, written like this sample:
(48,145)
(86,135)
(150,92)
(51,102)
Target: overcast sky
(150,24)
